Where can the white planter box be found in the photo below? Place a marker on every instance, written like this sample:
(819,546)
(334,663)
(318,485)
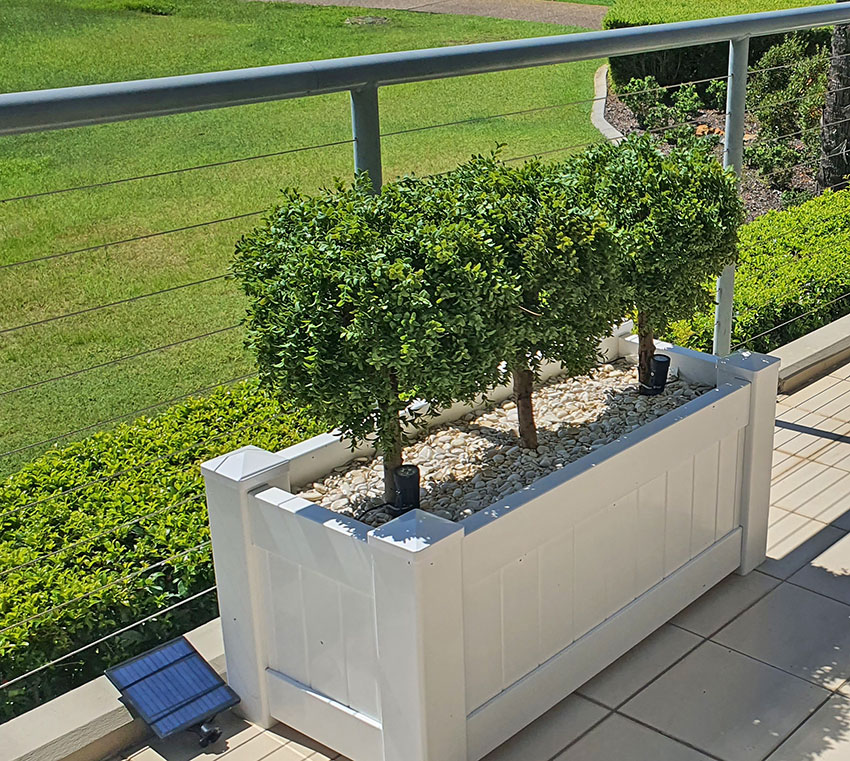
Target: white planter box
(427,640)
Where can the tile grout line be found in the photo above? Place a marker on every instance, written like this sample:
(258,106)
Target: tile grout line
(661,732)
(796,728)
(587,731)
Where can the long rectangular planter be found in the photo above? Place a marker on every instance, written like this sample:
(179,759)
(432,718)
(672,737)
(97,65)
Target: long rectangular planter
(427,640)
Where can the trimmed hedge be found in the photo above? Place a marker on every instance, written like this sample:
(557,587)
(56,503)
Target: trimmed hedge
(698,62)
(144,506)
(790,263)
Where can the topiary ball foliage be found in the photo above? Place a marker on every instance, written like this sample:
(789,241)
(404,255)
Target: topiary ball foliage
(359,305)
(677,215)
(558,254)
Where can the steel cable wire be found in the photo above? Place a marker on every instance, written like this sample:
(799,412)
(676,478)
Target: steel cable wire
(118,360)
(135,413)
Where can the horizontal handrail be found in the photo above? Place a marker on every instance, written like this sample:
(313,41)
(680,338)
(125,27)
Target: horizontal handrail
(40,110)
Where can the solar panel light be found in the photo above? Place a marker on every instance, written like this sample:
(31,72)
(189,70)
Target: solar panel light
(174,690)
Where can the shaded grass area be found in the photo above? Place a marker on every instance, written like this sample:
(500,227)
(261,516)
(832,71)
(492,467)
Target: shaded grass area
(49,43)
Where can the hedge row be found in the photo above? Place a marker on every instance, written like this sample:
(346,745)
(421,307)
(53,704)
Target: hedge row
(793,265)
(79,525)
(697,62)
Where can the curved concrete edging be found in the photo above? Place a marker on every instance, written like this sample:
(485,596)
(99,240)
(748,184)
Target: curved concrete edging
(600,98)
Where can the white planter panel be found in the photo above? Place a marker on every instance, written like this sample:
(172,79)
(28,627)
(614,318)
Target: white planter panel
(426,640)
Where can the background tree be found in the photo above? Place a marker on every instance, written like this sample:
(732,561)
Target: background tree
(677,218)
(834,165)
(557,258)
(357,307)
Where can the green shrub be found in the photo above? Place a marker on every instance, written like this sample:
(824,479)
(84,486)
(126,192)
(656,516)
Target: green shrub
(786,91)
(358,306)
(791,265)
(774,159)
(696,62)
(677,217)
(79,523)
(646,99)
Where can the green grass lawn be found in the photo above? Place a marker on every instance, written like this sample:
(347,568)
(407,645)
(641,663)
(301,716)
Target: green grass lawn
(52,43)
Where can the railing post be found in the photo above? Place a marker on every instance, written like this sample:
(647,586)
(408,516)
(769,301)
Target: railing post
(733,158)
(229,479)
(366,130)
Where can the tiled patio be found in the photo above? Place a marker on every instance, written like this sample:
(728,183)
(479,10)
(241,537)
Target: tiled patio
(759,668)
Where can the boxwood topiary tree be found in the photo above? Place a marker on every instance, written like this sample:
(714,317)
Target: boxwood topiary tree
(558,258)
(358,306)
(677,217)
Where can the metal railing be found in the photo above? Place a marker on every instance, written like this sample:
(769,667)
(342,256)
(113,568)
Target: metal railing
(362,77)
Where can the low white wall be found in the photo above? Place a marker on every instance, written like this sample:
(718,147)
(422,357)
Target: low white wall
(427,639)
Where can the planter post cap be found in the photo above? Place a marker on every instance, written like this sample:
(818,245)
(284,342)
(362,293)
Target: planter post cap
(748,360)
(415,531)
(243,464)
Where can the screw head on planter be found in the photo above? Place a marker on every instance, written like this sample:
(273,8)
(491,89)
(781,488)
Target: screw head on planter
(660,366)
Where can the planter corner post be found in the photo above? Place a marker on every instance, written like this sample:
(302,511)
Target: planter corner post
(229,480)
(761,372)
(417,562)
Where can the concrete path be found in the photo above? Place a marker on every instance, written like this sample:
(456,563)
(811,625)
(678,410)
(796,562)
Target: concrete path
(545,11)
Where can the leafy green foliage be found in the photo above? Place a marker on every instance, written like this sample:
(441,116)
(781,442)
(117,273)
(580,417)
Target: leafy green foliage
(774,159)
(715,94)
(793,265)
(79,525)
(686,102)
(678,217)
(358,306)
(646,99)
(786,93)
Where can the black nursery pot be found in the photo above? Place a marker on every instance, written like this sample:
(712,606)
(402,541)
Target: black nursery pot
(659,367)
(406,479)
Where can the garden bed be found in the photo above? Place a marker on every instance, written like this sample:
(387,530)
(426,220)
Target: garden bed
(470,463)
(759,197)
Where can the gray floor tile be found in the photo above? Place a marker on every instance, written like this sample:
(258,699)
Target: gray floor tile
(798,631)
(721,604)
(824,737)
(793,540)
(640,665)
(829,572)
(726,704)
(551,733)
(618,738)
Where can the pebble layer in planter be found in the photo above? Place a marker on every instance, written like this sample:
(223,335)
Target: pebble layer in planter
(473,462)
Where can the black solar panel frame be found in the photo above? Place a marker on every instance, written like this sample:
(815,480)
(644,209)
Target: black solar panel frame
(153,719)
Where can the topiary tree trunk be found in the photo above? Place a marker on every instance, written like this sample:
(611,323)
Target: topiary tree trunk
(646,348)
(834,165)
(390,439)
(523,380)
